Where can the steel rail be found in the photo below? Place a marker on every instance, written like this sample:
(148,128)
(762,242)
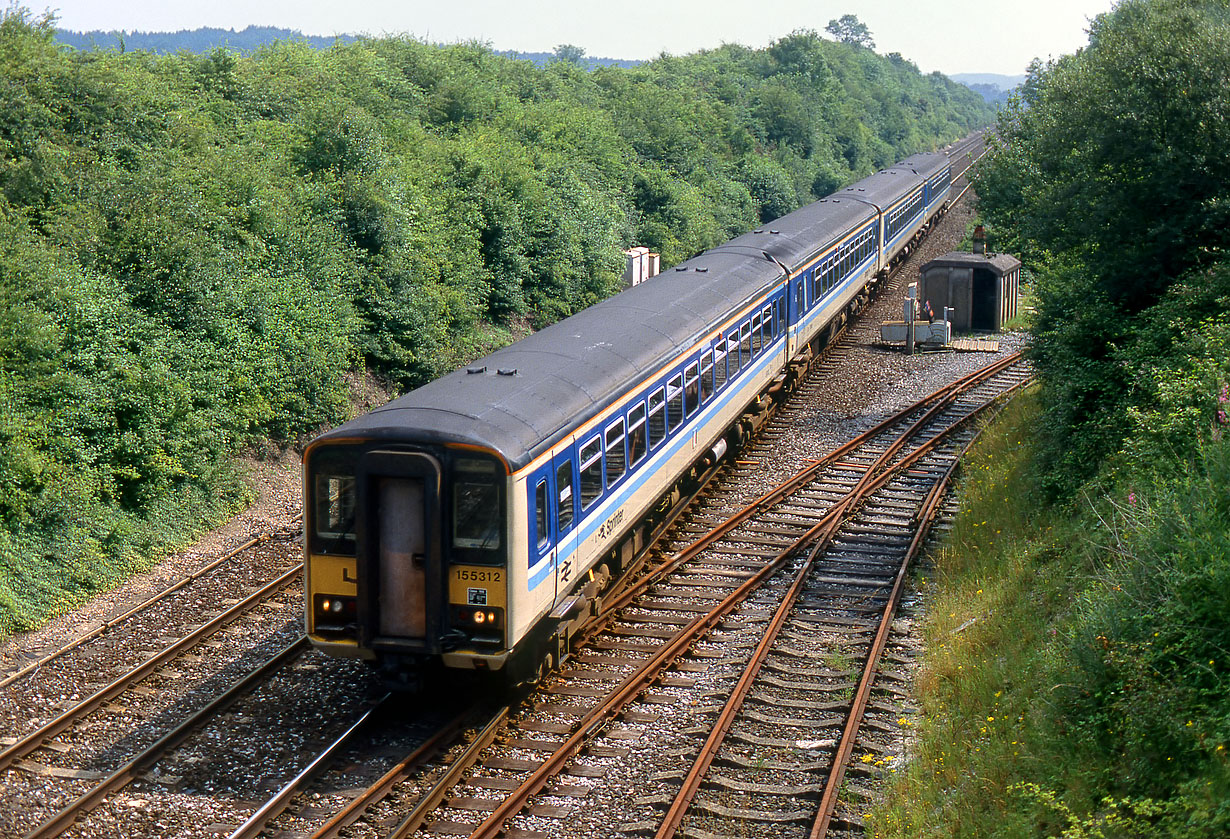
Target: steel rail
(642,678)
(845,748)
(257,822)
(121,777)
(415,818)
(150,601)
(35,740)
(377,791)
(717,735)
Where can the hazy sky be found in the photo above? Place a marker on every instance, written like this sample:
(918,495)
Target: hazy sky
(952,36)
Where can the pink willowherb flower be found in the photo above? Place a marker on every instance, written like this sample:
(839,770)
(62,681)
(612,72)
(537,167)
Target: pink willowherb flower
(1132,498)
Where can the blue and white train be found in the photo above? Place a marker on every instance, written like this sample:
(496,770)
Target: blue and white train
(475,521)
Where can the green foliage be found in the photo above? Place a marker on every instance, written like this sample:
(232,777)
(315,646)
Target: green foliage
(850,30)
(1109,176)
(196,249)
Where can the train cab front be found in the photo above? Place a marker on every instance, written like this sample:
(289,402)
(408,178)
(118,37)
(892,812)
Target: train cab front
(406,557)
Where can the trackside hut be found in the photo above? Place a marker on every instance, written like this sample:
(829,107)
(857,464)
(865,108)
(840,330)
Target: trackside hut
(981,289)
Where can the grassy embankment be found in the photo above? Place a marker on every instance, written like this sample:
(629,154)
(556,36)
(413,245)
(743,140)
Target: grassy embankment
(1074,682)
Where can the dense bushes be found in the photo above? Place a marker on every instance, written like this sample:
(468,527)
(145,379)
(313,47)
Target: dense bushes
(194,250)
(1111,176)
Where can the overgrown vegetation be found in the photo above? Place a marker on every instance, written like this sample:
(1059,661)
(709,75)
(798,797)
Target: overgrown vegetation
(1078,666)
(195,251)
(1111,176)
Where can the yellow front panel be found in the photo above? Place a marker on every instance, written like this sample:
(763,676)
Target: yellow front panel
(333,575)
(466,581)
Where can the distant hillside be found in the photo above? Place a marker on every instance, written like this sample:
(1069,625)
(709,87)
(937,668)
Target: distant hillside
(541,58)
(194,40)
(999,80)
(206,40)
(992,87)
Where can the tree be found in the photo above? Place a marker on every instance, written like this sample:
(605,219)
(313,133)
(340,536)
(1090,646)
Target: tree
(850,30)
(569,54)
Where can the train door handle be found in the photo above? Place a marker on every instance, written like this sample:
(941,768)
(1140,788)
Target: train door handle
(419,559)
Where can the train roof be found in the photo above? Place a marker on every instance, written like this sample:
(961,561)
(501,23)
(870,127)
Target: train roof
(796,237)
(522,399)
(926,163)
(883,188)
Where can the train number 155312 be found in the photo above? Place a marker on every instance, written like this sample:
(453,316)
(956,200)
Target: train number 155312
(474,575)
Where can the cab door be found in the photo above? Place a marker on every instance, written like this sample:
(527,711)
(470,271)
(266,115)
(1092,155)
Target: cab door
(401,580)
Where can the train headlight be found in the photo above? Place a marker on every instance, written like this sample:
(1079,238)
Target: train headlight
(471,619)
(333,612)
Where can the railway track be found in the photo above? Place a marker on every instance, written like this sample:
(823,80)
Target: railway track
(112,624)
(154,686)
(761,610)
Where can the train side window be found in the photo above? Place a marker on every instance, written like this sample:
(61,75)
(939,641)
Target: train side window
(636,434)
(732,345)
(540,514)
(674,401)
(706,377)
(719,364)
(691,388)
(616,457)
(800,296)
(591,472)
(756,335)
(766,323)
(566,506)
(657,417)
(745,343)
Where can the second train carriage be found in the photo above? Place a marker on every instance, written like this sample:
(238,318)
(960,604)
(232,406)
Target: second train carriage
(470,519)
